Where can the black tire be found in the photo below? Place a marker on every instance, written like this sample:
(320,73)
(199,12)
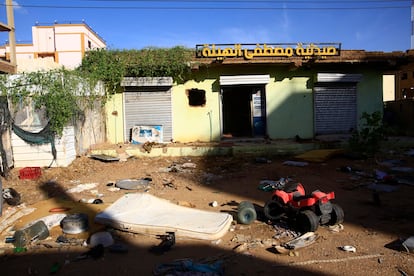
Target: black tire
(273,210)
(246,213)
(307,221)
(337,215)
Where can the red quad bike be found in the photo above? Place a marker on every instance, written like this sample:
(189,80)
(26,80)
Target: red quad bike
(308,211)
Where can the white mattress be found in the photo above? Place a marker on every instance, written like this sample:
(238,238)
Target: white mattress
(147,214)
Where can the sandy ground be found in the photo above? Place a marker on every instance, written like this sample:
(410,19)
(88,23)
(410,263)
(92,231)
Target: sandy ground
(375,228)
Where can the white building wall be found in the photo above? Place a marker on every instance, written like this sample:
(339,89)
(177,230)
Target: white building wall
(26,155)
(43,39)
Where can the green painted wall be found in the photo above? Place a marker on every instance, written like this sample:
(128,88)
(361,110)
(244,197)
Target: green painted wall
(289,102)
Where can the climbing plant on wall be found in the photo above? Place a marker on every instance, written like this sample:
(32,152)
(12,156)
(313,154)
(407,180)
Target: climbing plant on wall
(58,92)
(110,66)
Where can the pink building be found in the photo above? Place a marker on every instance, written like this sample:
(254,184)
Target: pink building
(54,46)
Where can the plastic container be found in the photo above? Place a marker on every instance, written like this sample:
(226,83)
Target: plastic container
(37,231)
(246,213)
(104,238)
(30,173)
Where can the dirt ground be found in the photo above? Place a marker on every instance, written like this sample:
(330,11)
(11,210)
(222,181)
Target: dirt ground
(376,228)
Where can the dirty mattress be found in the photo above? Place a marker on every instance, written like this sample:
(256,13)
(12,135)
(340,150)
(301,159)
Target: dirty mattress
(146,214)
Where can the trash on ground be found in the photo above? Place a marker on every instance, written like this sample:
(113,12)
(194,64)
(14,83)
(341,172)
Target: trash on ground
(104,157)
(104,238)
(75,223)
(91,200)
(50,220)
(271,185)
(10,216)
(408,244)
(298,242)
(213,204)
(30,173)
(348,248)
(25,236)
(133,184)
(145,213)
(295,163)
(189,267)
(11,196)
(167,241)
(82,187)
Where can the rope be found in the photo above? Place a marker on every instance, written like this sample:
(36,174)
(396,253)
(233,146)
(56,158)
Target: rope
(333,260)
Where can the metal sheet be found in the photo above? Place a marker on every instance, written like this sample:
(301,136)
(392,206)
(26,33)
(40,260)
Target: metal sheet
(148,106)
(335,109)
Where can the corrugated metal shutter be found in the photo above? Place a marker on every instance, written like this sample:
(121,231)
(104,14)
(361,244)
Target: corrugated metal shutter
(244,79)
(148,106)
(335,109)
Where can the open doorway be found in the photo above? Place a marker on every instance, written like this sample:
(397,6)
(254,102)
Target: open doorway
(243,109)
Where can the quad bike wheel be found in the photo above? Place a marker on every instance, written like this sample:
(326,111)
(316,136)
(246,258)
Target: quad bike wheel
(307,221)
(273,210)
(246,213)
(337,215)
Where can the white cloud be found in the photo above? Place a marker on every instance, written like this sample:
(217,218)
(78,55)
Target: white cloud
(18,8)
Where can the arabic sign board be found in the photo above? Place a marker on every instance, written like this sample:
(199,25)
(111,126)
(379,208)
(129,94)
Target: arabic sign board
(250,51)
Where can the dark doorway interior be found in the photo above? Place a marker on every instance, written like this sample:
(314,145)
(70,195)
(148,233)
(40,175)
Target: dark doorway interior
(243,111)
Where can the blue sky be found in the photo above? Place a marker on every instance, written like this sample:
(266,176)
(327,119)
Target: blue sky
(359,25)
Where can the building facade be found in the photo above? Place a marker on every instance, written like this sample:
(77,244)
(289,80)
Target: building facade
(255,91)
(54,46)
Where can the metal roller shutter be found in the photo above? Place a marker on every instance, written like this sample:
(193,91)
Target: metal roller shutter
(148,106)
(335,109)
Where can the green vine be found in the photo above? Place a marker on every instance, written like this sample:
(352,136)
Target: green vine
(63,93)
(58,92)
(110,66)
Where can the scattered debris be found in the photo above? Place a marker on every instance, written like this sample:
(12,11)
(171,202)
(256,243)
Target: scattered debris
(75,223)
(167,241)
(336,228)
(25,236)
(104,238)
(104,157)
(213,204)
(295,163)
(408,244)
(11,196)
(189,267)
(91,200)
(134,184)
(82,187)
(348,248)
(298,242)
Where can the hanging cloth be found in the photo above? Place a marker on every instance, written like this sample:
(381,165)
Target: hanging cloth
(45,136)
